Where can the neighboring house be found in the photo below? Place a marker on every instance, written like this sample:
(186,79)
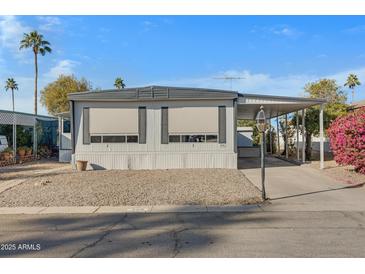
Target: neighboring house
(244,136)
(165,127)
(46,133)
(357,105)
(245,148)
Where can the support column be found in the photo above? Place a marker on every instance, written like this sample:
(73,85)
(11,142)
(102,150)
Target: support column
(277,135)
(303,135)
(321,138)
(270,128)
(35,140)
(286,137)
(298,151)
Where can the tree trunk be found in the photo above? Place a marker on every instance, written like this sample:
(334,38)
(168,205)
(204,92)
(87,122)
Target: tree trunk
(12,97)
(308,146)
(35,84)
(285,140)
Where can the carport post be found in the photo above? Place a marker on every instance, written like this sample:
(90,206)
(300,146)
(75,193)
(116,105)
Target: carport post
(14,136)
(286,137)
(298,156)
(303,135)
(277,135)
(321,137)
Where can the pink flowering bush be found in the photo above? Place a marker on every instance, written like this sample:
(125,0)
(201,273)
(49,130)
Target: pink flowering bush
(347,139)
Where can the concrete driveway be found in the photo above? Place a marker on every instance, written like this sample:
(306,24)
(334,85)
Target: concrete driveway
(302,188)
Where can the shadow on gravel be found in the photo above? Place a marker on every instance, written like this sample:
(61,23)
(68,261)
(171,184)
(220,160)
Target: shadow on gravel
(122,235)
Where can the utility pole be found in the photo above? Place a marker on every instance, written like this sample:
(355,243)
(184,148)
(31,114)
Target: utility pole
(230,78)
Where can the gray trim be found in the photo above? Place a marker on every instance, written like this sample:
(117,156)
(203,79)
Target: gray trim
(60,131)
(142,124)
(222,124)
(153,93)
(86,126)
(235,125)
(72,112)
(164,125)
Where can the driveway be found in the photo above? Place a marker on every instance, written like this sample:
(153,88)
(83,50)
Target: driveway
(302,188)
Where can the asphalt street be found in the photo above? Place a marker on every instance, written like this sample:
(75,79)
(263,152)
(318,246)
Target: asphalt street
(243,234)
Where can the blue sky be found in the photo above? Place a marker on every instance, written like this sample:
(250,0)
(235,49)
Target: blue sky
(274,54)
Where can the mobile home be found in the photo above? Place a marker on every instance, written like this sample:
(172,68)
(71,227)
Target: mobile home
(165,127)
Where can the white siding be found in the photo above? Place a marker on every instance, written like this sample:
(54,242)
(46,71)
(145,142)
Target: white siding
(64,156)
(153,154)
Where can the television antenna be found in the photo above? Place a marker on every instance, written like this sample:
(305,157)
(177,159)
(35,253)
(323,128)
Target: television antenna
(230,79)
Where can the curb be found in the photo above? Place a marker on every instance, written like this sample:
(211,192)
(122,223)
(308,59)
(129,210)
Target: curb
(127,209)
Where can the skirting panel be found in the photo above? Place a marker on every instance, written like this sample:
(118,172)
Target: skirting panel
(158,160)
(64,155)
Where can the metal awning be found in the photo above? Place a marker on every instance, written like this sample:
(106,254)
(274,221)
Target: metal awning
(248,105)
(20,118)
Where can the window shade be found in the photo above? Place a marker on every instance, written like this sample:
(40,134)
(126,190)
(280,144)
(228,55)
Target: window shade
(113,120)
(193,120)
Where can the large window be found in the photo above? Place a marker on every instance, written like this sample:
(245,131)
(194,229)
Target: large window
(193,138)
(114,125)
(193,124)
(114,139)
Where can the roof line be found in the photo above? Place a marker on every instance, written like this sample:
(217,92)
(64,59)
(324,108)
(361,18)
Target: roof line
(154,87)
(323,100)
(24,113)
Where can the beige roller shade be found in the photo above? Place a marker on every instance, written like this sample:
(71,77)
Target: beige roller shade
(193,120)
(113,120)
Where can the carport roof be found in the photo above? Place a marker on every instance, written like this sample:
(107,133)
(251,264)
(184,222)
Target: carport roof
(249,104)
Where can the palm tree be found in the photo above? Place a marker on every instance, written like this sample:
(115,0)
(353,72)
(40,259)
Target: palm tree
(35,41)
(12,85)
(119,83)
(352,81)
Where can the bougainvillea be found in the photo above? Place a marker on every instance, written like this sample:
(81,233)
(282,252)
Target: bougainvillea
(347,139)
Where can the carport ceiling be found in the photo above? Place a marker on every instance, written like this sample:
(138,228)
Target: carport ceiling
(249,104)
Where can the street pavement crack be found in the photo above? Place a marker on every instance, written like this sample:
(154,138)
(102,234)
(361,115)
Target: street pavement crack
(177,241)
(107,231)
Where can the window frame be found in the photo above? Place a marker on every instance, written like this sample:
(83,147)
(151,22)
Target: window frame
(125,137)
(181,140)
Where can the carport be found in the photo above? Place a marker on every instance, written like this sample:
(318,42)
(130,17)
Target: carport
(23,119)
(248,105)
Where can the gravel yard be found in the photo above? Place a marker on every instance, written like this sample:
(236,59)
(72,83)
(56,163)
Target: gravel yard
(29,169)
(346,174)
(143,187)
